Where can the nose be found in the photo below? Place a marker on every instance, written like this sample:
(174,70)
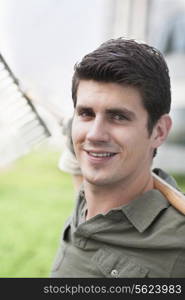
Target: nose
(98,131)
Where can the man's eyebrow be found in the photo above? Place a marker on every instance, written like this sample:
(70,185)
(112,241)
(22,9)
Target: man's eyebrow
(83,107)
(130,114)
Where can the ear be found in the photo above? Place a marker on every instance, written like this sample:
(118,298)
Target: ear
(161,130)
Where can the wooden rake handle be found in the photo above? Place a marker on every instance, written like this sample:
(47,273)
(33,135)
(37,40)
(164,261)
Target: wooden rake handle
(176,198)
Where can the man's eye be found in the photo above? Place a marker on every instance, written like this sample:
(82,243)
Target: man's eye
(85,113)
(119,117)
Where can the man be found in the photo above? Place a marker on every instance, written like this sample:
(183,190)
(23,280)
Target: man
(122,226)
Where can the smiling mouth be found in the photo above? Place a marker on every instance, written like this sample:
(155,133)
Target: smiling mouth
(101,154)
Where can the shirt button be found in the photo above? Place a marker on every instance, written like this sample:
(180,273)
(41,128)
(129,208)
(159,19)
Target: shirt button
(114,273)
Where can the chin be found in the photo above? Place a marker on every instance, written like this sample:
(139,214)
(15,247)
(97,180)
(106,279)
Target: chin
(97,181)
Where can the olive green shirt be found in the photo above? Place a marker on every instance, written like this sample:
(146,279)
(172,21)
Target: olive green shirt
(145,238)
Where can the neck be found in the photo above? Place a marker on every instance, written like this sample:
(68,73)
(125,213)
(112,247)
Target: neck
(101,199)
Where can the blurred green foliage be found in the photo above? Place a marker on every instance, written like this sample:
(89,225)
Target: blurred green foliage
(35,200)
(180,181)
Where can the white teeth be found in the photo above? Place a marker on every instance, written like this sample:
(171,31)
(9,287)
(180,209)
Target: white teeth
(101,154)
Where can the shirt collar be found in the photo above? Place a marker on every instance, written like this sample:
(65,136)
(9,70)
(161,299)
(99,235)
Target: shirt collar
(142,211)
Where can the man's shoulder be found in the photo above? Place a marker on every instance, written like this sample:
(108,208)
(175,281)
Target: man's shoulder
(168,187)
(171,225)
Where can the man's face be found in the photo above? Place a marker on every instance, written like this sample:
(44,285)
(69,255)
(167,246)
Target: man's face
(110,134)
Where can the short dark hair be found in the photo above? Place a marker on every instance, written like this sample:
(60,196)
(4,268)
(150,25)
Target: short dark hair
(128,62)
